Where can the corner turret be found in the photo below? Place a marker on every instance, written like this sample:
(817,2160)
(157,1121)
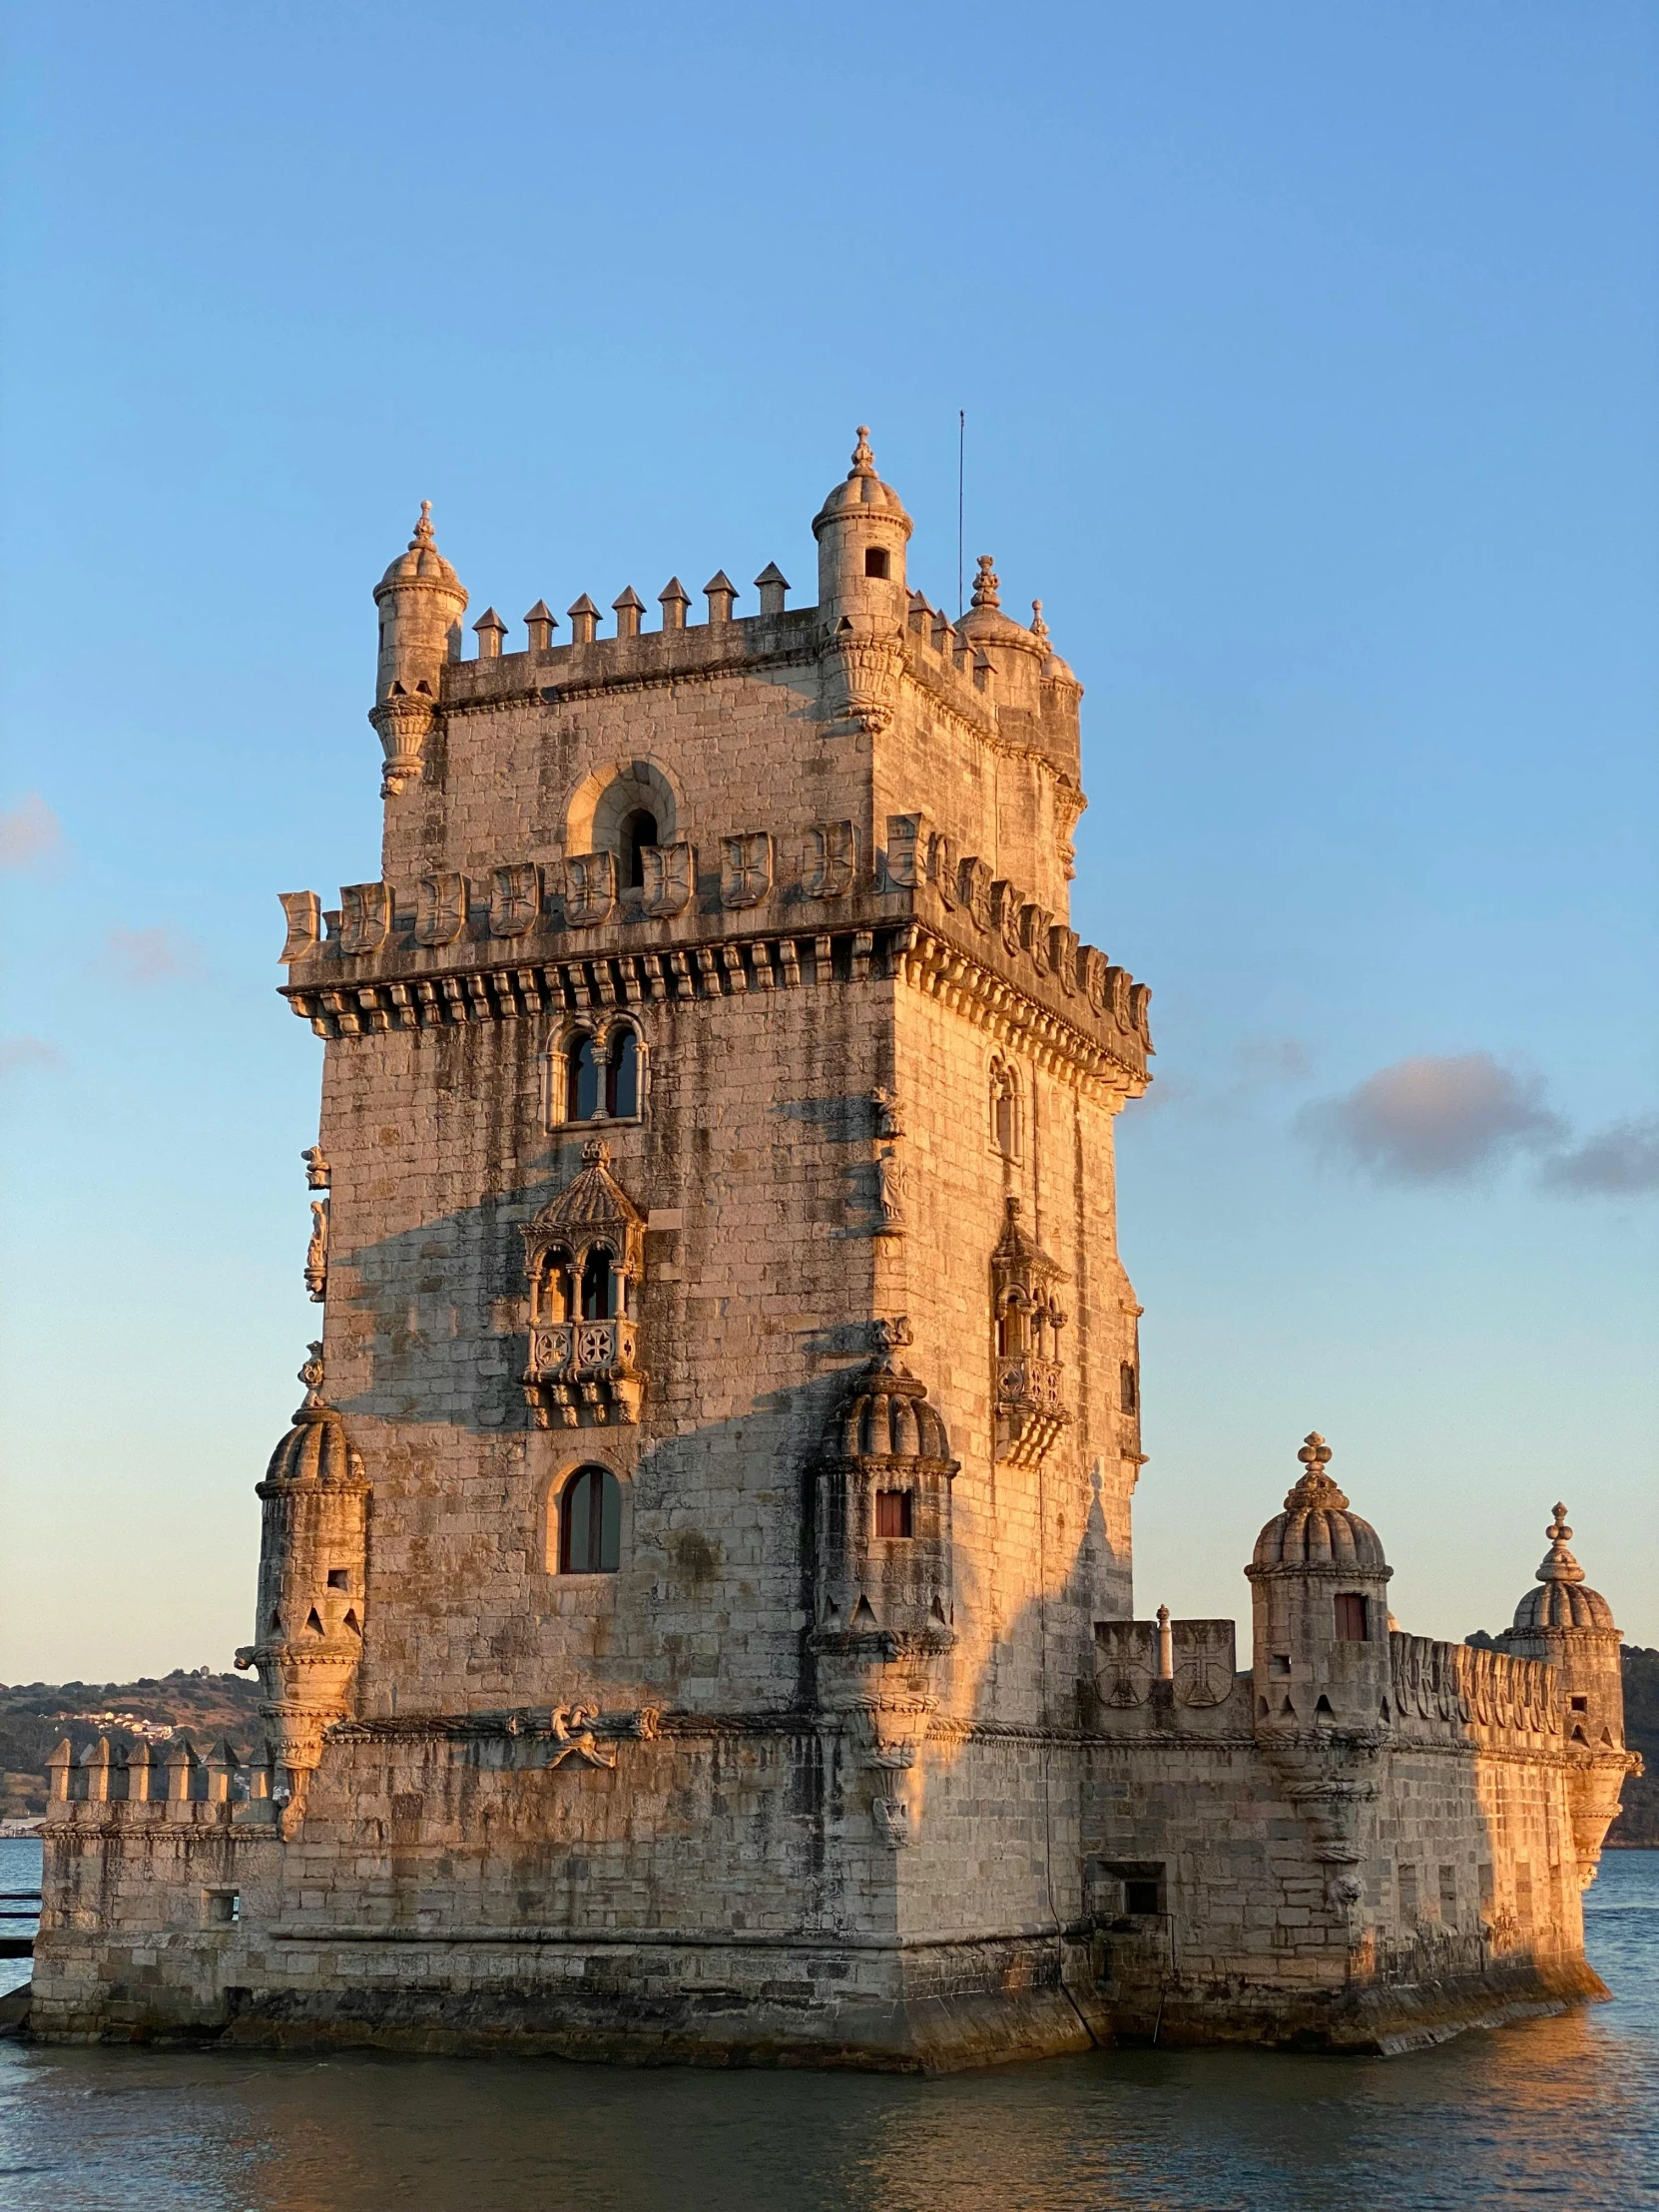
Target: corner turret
(861,532)
(1319,1586)
(422,602)
(1566,1623)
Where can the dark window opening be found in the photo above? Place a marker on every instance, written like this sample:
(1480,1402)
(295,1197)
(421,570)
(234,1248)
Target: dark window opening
(1581,1704)
(224,1908)
(1351,1617)
(1140,1896)
(558,1302)
(338,1578)
(581,1080)
(598,1287)
(1010,1332)
(638,830)
(875,560)
(1129,1390)
(590,1522)
(1005,1116)
(622,1075)
(894,1512)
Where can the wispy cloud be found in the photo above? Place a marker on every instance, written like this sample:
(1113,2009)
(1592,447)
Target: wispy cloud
(1621,1162)
(1440,1119)
(142,958)
(30,832)
(18,1054)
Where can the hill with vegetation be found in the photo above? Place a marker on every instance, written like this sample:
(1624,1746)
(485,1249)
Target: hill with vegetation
(36,1715)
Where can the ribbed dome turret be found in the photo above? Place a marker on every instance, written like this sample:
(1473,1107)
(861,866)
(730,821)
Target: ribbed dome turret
(422,563)
(986,624)
(1317,1530)
(1564,1599)
(316,1449)
(888,1418)
(861,488)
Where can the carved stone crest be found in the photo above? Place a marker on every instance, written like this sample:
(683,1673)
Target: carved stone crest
(831,859)
(1007,903)
(515,899)
(744,869)
(441,902)
(365,916)
(590,888)
(1062,957)
(302,911)
(973,887)
(1035,922)
(907,837)
(670,872)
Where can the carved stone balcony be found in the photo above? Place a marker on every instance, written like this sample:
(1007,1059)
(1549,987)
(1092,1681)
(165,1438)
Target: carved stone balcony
(1029,1415)
(584,1367)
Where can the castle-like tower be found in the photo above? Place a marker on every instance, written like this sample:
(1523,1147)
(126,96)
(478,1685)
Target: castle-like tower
(695,1610)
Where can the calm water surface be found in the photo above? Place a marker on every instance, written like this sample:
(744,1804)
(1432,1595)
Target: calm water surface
(1561,2112)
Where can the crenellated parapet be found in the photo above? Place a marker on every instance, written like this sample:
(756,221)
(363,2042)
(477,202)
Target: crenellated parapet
(1467,1693)
(149,1787)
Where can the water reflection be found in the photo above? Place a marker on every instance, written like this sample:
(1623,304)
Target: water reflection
(1557,2110)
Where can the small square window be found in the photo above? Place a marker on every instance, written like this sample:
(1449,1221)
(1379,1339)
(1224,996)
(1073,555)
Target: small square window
(340,1578)
(1351,1617)
(221,1907)
(875,560)
(1581,1704)
(1140,1896)
(893,1513)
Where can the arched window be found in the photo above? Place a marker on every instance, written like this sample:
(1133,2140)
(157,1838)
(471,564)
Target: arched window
(599,1286)
(1011,1330)
(582,1079)
(622,1075)
(590,1522)
(638,829)
(556,1287)
(1004,1111)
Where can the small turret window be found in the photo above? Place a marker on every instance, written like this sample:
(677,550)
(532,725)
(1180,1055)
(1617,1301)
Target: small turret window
(622,1076)
(876,561)
(590,1522)
(893,1513)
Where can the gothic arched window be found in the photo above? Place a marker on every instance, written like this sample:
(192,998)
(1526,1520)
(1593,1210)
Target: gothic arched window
(590,1522)
(622,1076)
(582,1079)
(555,1287)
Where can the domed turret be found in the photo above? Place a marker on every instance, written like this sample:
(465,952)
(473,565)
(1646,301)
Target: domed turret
(882,1517)
(1316,1528)
(314,1551)
(422,602)
(1563,1599)
(1569,1625)
(1320,1608)
(861,532)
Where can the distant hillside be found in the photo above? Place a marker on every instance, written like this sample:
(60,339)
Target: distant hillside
(35,1716)
(1637,1826)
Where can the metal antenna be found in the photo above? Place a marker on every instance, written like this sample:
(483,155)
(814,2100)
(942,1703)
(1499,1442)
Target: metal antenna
(962,455)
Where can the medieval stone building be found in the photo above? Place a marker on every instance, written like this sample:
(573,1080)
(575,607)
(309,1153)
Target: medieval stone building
(695,1613)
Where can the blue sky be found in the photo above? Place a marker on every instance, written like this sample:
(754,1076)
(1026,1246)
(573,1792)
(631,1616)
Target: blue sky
(1308,355)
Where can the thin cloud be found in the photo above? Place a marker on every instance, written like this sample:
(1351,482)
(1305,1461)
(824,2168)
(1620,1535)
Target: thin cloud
(18,1054)
(1435,1120)
(1621,1162)
(30,832)
(142,958)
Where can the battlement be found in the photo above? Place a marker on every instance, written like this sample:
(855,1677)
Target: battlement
(135,1788)
(1463,1693)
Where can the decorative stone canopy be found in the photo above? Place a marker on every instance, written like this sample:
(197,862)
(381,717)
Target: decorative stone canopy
(422,563)
(315,1451)
(1565,1599)
(1317,1530)
(888,1418)
(863,488)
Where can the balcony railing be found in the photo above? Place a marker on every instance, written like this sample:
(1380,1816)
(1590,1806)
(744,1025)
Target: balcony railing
(579,1367)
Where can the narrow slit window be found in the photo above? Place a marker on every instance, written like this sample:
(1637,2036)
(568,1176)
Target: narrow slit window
(622,1076)
(582,1080)
(639,829)
(1129,1389)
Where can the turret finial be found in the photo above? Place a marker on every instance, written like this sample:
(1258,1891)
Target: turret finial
(1039,628)
(1559,1565)
(986,588)
(1315,1489)
(310,1373)
(864,460)
(423,528)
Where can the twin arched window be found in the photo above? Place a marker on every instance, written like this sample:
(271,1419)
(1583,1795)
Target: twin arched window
(601,1079)
(590,1522)
(599,1292)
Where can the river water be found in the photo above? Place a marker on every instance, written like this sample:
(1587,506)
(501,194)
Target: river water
(1562,2112)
